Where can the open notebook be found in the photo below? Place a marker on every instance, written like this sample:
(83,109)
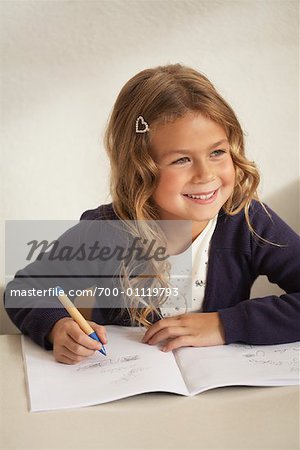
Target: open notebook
(131,368)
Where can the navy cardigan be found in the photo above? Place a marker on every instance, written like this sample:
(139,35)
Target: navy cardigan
(236,259)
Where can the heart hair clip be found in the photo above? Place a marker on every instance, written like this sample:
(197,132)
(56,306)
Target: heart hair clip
(141,125)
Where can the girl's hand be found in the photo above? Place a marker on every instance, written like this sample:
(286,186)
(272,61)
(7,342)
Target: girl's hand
(193,329)
(71,344)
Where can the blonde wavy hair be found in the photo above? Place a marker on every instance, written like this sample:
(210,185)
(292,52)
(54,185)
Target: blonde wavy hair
(164,94)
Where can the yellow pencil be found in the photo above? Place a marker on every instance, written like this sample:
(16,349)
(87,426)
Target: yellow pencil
(78,317)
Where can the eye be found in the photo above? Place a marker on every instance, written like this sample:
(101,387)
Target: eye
(181,160)
(218,152)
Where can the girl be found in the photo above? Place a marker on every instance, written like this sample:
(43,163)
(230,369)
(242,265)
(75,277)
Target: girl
(177,154)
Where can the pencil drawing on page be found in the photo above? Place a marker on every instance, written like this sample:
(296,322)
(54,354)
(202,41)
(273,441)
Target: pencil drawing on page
(288,357)
(122,368)
(108,362)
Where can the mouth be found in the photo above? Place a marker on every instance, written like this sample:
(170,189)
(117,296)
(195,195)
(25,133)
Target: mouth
(202,197)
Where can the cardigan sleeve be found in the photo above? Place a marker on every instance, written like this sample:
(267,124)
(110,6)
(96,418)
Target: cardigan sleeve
(271,319)
(35,316)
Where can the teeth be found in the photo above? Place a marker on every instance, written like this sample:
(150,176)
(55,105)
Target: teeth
(201,197)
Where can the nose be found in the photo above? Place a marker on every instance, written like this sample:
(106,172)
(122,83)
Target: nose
(203,173)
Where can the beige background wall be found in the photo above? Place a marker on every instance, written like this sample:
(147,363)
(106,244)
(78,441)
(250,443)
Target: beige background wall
(64,62)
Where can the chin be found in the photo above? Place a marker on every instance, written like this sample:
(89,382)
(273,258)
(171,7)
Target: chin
(205,215)
(203,218)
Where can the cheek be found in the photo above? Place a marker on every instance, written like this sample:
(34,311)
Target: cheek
(229,173)
(169,182)
(169,186)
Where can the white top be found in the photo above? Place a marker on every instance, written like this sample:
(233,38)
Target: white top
(188,274)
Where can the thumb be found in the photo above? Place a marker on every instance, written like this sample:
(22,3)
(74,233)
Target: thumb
(100,330)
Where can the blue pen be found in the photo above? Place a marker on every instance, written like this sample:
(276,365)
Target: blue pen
(78,317)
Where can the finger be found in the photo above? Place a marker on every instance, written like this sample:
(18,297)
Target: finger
(182,341)
(158,326)
(167,333)
(76,349)
(100,330)
(73,357)
(65,360)
(77,335)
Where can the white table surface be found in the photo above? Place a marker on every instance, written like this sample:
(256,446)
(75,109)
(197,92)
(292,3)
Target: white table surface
(226,418)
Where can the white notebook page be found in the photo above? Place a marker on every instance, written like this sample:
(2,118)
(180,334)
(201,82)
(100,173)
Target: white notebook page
(129,368)
(239,364)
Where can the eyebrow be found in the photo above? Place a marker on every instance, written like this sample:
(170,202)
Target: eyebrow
(171,152)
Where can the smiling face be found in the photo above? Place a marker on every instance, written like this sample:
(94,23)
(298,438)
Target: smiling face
(196,170)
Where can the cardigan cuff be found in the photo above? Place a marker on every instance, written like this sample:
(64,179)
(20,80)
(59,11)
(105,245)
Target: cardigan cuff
(234,323)
(41,322)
